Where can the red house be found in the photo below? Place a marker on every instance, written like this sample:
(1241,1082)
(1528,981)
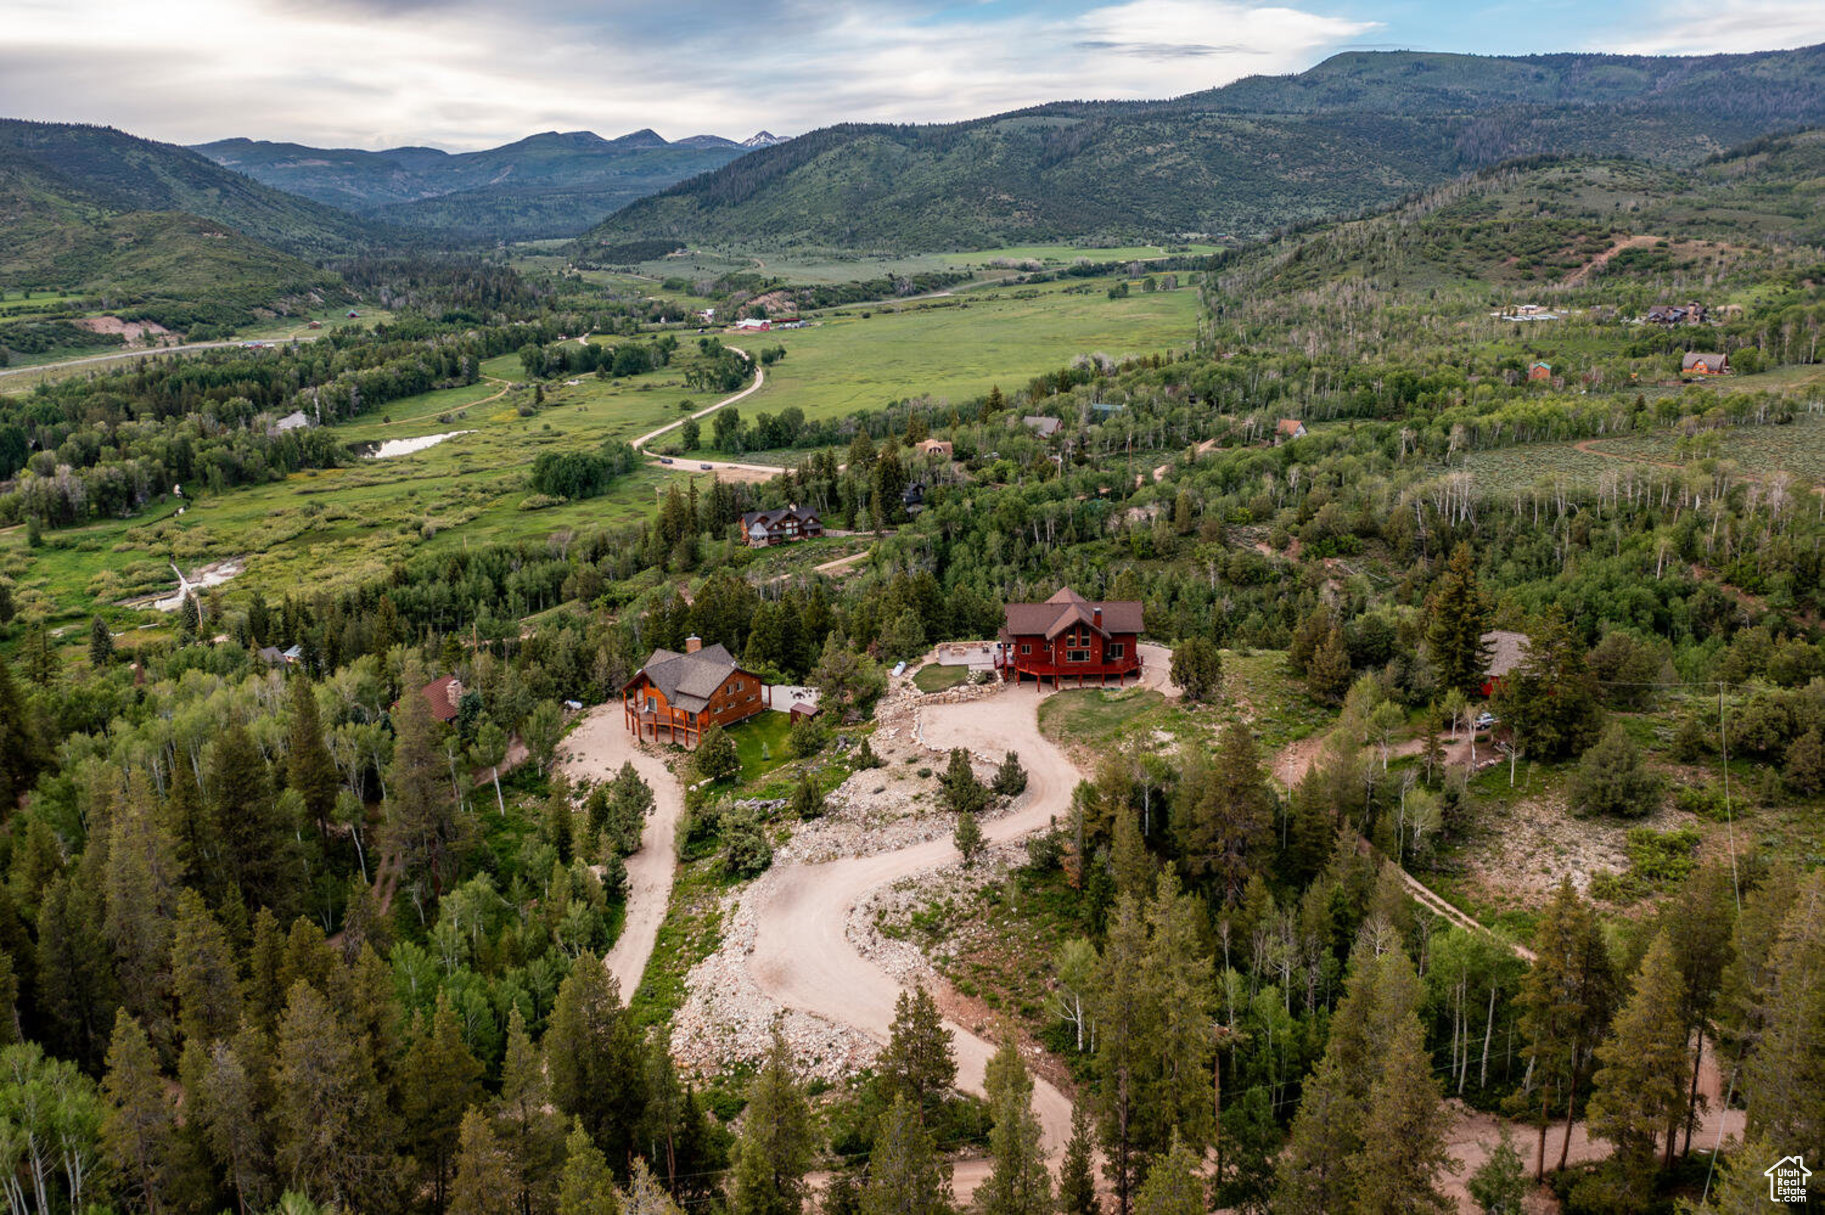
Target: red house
(1069,637)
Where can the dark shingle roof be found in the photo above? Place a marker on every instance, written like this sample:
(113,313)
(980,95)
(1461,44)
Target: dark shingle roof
(689,680)
(1067,608)
(804,514)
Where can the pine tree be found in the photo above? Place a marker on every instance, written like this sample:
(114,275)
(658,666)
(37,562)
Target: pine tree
(1403,1139)
(203,974)
(308,766)
(101,643)
(21,754)
(777,1140)
(137,1126)
(1786,1072)
(233,1111)
(1077,1177)
(645,1196)
(1640,1091)
(1611,779)
(968,838)
(1126,1022)
(251,838)
(1499,1185)
(487,1176)
(141,882)
(1327,675)
(808,797)
(1197,667)
(1010,778)
(1459,615)
(1018,1183)
(918,1062)
(905,1175)
(77,989)
(1550,702)
(1566,1001)
(962,791)
(1175,980)
(522,1111)
(1231,823)
(593,1057)
(330,1116)
(423,825)
(1174,1185)
(716,758)
(586,1187)
(438,1081)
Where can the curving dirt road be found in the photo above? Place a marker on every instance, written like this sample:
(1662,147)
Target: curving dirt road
(760,380)
(596,749)
(802,955)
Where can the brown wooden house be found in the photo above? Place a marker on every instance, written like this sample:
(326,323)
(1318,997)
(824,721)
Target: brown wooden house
(675,697)
(1069,637)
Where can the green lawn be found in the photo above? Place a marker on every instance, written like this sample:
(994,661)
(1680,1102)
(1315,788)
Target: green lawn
(933,677)
(761,743)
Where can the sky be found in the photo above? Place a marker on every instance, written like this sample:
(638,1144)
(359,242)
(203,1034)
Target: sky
(467,74)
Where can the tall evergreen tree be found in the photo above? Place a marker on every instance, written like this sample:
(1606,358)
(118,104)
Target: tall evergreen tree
(308,766)
(203,973)
(330,1118)
(1077,1176)
(21,752)
(774,1151)
(1786,1072)
(905,1174)
(1458,615)
(101,643)
(1125,1020)
(1566,1001)
(1640,1094)
(142,881)
(138,1126)
(522,1111)
(1018,1183)
(423,825)
(487,1176)
(1231,822)
(918,1062)
(586,1186)
(593,1058)
(250,837)
(1551,702)
(439,1080)
(1174,1185)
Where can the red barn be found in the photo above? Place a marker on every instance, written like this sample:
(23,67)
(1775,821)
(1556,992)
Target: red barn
(1069,637)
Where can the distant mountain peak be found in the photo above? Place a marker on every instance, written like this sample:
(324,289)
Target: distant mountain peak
(761,139)
(645,137)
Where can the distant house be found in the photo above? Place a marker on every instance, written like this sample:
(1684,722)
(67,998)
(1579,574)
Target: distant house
(1069,637)
(445,696)
(1699,362)
(1540,371)
(295,420)
(935,447)
(1507,650)
(675,697)
(1665,314)
(353,314)
(1044,427)
(754,323)
(270,655)
(913,497)
(1288,428)
(293,654)
(765,527)
(315,325)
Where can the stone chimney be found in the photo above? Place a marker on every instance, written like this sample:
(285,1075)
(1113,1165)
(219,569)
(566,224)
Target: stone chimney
(693,643)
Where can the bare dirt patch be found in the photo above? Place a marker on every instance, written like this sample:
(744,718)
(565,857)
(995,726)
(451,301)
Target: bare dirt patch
(135,332)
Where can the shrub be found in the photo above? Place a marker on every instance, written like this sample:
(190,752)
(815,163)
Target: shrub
(808,797)
(865,757)
(746,852)
(1611,779)
(807,738)
(1010,777)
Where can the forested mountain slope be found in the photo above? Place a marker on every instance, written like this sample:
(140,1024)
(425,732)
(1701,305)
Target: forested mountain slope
(124,173)
(1357,131)
(553,184)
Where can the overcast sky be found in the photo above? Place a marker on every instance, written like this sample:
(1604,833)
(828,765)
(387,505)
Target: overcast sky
(463,74)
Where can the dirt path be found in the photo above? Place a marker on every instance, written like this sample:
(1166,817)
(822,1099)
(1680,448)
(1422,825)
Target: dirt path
(1578,277)
(1589,447)
(802,957)
(760,380)
(596,749)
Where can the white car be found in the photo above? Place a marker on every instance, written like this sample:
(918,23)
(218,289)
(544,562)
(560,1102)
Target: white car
(1485,720)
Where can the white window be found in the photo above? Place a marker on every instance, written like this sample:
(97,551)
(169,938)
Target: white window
(1077,655)
(1113,651)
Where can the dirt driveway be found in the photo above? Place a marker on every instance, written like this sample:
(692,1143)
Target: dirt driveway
(596,749)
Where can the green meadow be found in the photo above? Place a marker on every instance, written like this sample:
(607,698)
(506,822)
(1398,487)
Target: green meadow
(958,348)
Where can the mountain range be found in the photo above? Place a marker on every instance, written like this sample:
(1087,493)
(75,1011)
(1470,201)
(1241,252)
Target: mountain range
(552,184)
(1357,132)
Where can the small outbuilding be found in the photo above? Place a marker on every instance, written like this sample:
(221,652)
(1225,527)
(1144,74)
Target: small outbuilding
(1288,428)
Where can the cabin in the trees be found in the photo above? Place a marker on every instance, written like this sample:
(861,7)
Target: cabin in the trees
(675,697)
(1070,638)
(445,696)
(1507,650)
(763,527)
(1699,362)
(1539,371)
(1288,428)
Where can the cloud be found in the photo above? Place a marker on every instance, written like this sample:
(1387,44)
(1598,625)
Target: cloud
(467,74)
(1691,27)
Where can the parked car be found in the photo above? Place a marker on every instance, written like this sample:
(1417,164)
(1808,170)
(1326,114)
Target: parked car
(665,459)
(705,467)
(1485,720)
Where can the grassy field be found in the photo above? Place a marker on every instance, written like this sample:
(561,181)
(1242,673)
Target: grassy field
(951,350)
(761,743)
(331,527)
